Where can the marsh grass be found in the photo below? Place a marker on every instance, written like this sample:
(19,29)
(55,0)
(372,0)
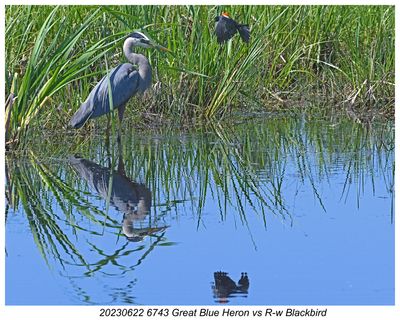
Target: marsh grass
(55,55)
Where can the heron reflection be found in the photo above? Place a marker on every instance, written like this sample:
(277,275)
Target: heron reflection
(128,197)
(224,287)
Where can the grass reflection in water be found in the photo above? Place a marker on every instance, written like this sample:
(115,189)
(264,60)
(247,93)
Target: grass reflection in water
(85,211)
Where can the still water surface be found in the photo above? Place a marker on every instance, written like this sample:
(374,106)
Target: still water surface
(283,211)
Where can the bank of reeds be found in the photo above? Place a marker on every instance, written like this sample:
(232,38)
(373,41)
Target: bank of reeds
(55,55)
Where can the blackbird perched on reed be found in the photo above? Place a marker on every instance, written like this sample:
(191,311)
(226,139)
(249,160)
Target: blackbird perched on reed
(226,28)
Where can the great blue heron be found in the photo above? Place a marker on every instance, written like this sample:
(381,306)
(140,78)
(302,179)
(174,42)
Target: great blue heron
(125,80)
(226,28)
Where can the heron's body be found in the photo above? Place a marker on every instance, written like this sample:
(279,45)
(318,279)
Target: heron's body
(226,28)
(98,102)
(126,80)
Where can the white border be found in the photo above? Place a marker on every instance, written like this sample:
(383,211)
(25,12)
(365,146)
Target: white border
(89,312)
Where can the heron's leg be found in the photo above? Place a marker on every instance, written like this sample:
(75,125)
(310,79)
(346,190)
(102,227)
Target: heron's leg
(108,124)
(107,145)
(107,138)
(120,117)
(121,165)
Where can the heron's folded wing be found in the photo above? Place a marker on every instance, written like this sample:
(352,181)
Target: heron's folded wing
(124,81)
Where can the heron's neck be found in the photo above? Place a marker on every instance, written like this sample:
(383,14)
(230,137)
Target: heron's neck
(142,63)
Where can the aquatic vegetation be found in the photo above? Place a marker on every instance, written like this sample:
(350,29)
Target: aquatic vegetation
(47,62)
(341,54)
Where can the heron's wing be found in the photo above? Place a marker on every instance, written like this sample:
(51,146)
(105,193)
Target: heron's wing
(124,81)
(225,29)
(96,176)
(125,194)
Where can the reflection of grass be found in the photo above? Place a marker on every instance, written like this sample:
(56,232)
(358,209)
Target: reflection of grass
(54,210)
(38,190)
(123,251)
(47,234)
(234,159)
(240,170)
(247,167)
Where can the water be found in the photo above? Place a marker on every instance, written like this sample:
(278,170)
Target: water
(281,211)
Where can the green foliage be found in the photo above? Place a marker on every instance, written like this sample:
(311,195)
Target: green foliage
(54,56)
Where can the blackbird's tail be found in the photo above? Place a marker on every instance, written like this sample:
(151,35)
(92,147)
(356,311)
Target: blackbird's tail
(244,32)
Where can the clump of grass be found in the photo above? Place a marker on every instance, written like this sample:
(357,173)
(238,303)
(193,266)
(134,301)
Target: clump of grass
(52,64)
(54,56)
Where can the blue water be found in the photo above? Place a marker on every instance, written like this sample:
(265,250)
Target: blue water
(332,245)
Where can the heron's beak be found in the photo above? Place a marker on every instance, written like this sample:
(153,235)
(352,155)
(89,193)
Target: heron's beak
(159,47)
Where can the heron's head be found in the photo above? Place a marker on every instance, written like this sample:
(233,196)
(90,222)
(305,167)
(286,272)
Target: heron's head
(142,40)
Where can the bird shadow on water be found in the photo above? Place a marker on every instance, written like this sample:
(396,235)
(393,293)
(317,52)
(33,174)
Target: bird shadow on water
(224,288)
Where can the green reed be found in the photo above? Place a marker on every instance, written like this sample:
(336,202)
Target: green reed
(54,56)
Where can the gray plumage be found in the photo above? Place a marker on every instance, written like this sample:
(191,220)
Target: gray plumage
(126,80)
(128,197)
(125,195)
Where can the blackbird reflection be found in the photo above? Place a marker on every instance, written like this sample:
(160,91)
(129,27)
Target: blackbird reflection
(225,287)
(128,197)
